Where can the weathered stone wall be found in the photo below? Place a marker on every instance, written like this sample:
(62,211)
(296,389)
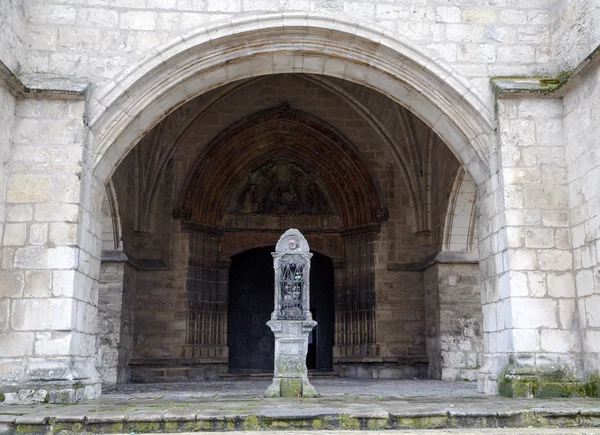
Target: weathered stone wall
(524,238)
(461,320)
(11,283)
(454,320)
(51,239)
(431,293)
(529,314)
(161,306)
(581,131)
(400,314)
(99,40)
(13,34)
(111,309)
(161,294)
(575,32)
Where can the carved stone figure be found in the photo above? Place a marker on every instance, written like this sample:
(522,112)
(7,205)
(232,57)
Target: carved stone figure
(282,187)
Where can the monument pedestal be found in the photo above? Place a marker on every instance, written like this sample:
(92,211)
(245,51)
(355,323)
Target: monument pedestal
(290,378)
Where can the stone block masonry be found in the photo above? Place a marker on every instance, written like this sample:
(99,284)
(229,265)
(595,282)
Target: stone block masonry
(454,321)
(536,174)
(49,269)
(581,130)
(527,315)
(100,39)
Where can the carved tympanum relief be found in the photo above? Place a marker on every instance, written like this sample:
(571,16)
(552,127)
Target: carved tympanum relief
(282,187)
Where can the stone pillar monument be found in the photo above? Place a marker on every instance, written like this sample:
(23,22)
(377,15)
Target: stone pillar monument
(291,321)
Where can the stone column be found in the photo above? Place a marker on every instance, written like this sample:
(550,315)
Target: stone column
(339,308)
(50,255)
(531,342)
(453,316)
(115,314)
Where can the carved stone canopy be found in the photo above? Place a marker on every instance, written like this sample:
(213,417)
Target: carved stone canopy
(291,262)
(282,187)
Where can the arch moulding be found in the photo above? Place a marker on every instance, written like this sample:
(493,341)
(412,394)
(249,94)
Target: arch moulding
(251,46)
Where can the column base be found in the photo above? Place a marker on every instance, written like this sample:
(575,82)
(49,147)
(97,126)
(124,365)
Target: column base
(291,387)
(51,380)
(290,378)
(529,382)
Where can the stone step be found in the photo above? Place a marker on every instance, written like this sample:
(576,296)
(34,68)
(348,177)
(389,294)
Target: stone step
(173,419)
(244,376)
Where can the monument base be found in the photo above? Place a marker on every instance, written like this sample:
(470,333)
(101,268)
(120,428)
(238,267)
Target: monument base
(291,387)
(290,378)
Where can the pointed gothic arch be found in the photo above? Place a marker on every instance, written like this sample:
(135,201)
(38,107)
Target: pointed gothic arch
(207,58)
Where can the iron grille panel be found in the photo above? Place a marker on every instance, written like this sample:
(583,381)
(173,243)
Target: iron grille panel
(292,279)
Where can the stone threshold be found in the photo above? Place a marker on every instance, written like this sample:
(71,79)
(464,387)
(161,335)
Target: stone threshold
(257,414)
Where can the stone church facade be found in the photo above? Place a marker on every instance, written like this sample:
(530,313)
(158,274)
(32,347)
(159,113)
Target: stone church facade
(441,158)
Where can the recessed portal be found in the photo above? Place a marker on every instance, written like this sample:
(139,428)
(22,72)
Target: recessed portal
(250,303)
(349,168)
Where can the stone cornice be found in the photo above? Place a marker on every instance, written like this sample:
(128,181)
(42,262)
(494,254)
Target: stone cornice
(113,256)
(442,257)
(43,85)
(11,81)
(552,87)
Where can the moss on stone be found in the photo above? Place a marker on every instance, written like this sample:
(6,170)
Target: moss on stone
(25,428)
(65,427)
(229,425)
(116,427)
(523,382)
(291,387)
(324,423)
(171,426)
(317,423)
(377,423)
(144,427)
(2,397)
(196,426)
(250,422)
(423,422)
(349,423)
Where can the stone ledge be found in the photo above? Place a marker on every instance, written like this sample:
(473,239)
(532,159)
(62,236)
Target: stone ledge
(289,419)
(443,257)
(554,87)
(43,85)
(113,256)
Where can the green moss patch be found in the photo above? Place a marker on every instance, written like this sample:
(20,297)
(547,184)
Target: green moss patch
(524,383)
(291,387)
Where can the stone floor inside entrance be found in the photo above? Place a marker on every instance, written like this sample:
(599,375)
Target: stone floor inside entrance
(330,389)
(235,405)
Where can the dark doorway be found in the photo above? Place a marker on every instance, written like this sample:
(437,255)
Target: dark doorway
(250,303)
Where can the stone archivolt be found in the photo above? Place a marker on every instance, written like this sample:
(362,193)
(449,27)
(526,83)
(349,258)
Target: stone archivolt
(260,165)
(256,148)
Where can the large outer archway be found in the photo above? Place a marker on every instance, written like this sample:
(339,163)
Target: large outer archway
(202,61)
(290,43)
